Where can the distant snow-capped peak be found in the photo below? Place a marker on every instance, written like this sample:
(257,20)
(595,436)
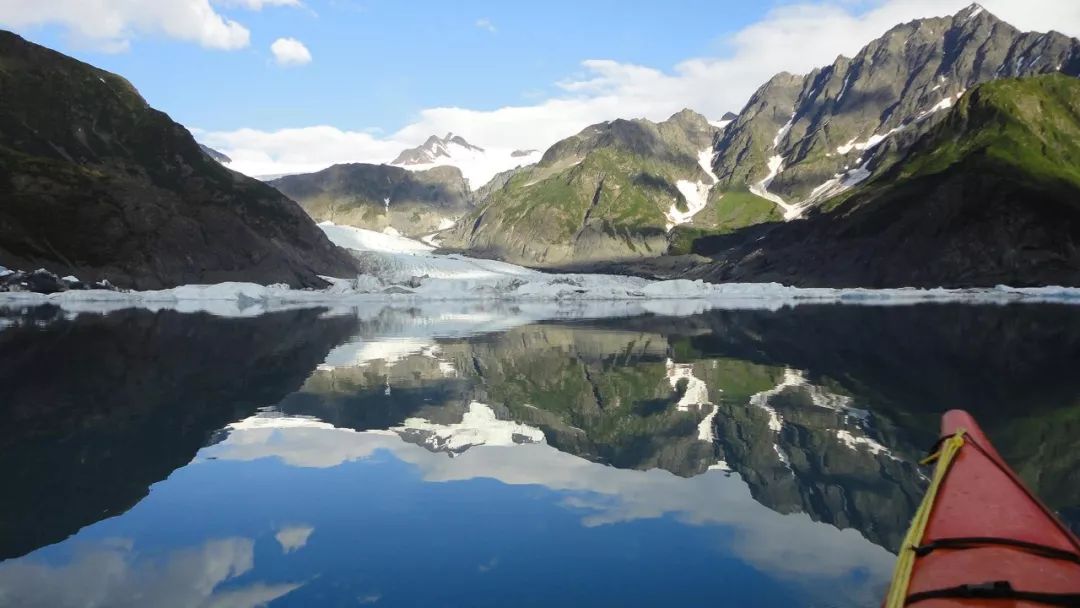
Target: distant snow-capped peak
(435,148)
(477,164)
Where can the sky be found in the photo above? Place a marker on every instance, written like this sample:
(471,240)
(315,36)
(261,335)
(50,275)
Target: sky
(287,86)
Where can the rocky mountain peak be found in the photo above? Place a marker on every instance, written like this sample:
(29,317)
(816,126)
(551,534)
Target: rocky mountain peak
(801,139)
(971,11)
(434,148)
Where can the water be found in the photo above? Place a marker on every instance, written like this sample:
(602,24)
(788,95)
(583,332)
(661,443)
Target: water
(469,457)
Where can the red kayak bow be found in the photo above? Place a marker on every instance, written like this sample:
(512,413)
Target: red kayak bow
(980,538)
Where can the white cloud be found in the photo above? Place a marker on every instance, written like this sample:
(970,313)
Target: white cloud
(794,38)
(290,52)
(486,24)
(257,5)
(110,25)
(299,150)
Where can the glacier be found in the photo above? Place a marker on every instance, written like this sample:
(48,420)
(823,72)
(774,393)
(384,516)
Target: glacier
(405,272)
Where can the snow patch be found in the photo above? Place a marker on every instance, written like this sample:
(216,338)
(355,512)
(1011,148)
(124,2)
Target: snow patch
(705,161)
(782,456)
(776,165)
(478,426)
(843,87)
(854,442)
(943,104)
(870,143)
(695,397)
(696,194)
(697,392)
(761,400)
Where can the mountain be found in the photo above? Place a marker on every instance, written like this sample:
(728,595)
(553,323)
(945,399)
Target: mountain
(619,191)
(377,197)
(612,191)
(802,139)
(96,183)
(477,164)
(214,154)
(989,195)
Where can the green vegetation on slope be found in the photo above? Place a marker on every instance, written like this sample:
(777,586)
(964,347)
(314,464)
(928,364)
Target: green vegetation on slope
(599,195)
(1028,126)
(726,213)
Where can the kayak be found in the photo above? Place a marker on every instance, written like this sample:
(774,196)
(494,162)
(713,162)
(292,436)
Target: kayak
(980,537)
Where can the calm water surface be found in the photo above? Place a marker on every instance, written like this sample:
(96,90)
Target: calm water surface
(467,458)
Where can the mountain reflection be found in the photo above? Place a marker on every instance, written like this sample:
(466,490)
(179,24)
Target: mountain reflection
(795,430)
(620,398)
(94,410)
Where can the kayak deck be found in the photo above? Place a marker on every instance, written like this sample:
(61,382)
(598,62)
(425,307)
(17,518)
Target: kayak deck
(987,540)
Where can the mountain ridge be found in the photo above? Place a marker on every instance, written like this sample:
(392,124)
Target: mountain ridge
(94,182)
(611,191)
(844,121)
(987,196)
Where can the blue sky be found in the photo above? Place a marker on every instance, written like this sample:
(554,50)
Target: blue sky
(384,74)
(379,62)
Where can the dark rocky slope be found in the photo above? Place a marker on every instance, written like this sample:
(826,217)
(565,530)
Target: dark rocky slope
(989,196)
(214,154)
(375,197)
(96,183)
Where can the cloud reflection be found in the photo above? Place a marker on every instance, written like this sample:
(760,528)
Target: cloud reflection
(112,574)
(788,545)
(293,538)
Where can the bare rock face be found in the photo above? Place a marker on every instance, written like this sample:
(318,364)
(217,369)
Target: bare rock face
(433,149)
(842,121)
(97,184)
